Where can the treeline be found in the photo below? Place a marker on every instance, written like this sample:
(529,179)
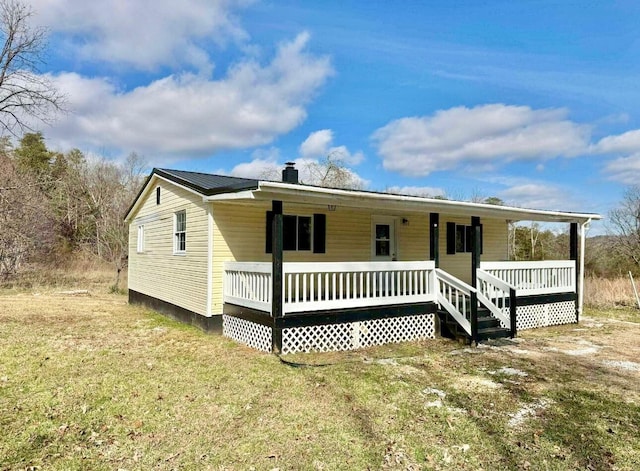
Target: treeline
(53,205)
(603,255)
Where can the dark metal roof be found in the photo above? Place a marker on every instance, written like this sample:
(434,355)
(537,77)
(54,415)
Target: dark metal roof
(206,183)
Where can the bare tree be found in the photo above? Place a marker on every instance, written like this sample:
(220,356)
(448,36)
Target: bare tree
(110,188)
(27,231)
(330,172)
(624,223)
(25,94)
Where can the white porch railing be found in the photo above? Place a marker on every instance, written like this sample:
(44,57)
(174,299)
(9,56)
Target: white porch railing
(328,285)
(530,278)
(322,286)
(248,284)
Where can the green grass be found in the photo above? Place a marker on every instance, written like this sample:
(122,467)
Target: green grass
(629,314)
(88,382)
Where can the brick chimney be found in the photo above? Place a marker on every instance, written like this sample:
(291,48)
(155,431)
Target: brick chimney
(290,174)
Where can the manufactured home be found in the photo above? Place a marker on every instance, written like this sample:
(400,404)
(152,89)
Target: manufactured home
(288,267)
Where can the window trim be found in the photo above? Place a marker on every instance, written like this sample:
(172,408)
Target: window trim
(179,236)
(391,221)
(140,245)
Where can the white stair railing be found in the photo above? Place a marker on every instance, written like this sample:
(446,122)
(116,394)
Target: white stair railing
(457,297)
(499,297)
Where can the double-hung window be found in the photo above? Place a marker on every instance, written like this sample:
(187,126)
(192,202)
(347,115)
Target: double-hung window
(459,238)
(180,232)
(296,232)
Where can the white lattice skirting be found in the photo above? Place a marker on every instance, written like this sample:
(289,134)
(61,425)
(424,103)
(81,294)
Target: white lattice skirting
(354,335)
(249,333)
(543,315)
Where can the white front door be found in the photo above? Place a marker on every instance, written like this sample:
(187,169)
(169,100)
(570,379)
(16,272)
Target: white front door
(383,238)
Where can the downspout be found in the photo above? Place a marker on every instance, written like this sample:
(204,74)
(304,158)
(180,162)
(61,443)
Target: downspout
(583,229)
(209,258)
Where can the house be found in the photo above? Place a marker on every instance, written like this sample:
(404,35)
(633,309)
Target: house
(287,267)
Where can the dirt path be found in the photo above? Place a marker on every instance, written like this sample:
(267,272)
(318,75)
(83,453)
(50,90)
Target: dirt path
(601,343)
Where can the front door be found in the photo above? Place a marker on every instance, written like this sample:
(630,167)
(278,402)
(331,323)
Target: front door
(383,240)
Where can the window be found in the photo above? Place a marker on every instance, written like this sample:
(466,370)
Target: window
(459,238)
(463,238)
(383,240)
(300,233)
(140,247)
(296,232)
(158,195)
(180,232)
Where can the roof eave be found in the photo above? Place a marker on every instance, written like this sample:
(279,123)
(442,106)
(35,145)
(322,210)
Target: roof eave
(268,190)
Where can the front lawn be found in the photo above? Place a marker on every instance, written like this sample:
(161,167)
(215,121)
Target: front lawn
(88,382)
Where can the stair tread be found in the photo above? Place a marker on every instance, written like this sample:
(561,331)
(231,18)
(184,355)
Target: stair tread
(493,329)
(488,326)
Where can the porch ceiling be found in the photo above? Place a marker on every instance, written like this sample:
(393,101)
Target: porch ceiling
(287,192)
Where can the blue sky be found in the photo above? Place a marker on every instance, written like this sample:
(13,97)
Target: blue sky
(535,102)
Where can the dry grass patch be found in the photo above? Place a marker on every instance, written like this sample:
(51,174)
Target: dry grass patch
(89,382)
(606,293)
(80,272)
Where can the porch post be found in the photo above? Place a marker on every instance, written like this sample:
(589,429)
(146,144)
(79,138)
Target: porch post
(434,238)
(573,255)
(476,249)
(476,242)
(276,275)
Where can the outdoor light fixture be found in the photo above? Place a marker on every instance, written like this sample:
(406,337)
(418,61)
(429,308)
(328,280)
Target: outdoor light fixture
(331,207)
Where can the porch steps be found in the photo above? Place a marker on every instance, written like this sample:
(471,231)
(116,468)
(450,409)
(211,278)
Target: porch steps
(488,327)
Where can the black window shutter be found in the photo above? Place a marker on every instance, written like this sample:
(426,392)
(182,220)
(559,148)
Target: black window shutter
(481,238)
(451,238)
(269,234)
(319,233)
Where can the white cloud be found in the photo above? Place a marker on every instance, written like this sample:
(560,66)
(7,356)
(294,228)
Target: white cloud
(318,146)
(266,169)
(481,135)
(537,196)
(143,34)
(310,171)
(189,114)
(626,148)
(425,191)
(626,143)
(624,169)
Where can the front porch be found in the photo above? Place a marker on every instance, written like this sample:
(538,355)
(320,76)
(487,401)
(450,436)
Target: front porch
(348,305)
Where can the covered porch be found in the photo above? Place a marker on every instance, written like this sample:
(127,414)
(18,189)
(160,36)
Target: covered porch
(353,269)
(346,305)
